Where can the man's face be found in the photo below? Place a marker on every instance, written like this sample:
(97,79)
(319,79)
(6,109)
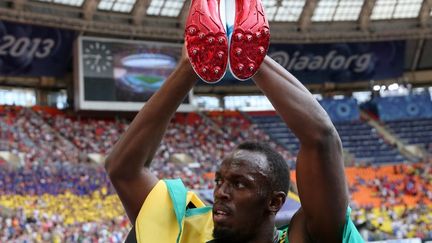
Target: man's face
(240,195)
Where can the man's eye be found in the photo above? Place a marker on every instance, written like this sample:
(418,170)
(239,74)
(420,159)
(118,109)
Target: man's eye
(239,185)
(218,181)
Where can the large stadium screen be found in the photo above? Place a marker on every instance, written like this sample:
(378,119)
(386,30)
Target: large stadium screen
(122,75)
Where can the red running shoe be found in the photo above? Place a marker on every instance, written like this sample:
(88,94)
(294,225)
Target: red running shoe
(206,40)
(250,39)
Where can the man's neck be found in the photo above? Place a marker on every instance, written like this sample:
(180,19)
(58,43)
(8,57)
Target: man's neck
(270,237)
(265,233)
(274,239)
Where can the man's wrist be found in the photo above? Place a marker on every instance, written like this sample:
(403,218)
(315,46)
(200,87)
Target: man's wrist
(185,66)
(263,66)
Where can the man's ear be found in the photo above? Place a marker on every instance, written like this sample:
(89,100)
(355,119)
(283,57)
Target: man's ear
(276,202)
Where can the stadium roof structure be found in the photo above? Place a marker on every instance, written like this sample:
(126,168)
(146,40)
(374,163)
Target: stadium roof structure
(295,21)
(291,21)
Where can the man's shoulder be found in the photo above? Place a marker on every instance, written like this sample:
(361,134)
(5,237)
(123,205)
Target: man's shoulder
(298,230)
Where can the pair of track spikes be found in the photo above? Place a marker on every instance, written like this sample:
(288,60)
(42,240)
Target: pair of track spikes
(212,48)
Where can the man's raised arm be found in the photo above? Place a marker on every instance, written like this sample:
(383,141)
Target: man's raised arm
(128,163)
(320,171)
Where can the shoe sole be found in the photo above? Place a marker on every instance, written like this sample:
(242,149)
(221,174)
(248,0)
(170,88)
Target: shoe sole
(206,40)
(250,39)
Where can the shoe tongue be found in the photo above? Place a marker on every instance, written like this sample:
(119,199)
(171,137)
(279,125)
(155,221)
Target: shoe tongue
(228,14)
(229,29)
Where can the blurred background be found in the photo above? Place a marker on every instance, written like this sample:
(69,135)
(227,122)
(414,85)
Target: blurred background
(73,73)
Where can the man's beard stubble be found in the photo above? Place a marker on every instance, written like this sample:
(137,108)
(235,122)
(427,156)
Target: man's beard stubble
(226,235)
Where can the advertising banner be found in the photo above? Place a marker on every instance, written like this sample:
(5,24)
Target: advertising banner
(341,110)
(412,240)
(27,50)
(395,108)
(338,62)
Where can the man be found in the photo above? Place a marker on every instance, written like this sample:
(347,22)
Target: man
(252,182)
(247,193)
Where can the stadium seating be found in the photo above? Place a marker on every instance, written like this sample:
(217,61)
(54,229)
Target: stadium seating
(413,131)
(241,129)
(363,141)
(52,195)
(409,118)
(358,138)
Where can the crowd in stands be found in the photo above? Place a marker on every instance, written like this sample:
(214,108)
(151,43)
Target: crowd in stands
(55,194)
(399,204)
(392,185)
(398,222)
(61,202)
(56,178)
(88,135)
(25,134)
(237,126)
(206,144)
(17,227)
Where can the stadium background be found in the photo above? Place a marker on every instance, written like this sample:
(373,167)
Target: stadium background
(74,72)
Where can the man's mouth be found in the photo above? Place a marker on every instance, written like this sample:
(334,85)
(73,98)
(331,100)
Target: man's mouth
(220,213)
(220,216)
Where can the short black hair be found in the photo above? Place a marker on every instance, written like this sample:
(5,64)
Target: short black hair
(279,170)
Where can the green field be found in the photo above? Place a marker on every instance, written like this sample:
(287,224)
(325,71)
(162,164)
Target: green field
(148,79)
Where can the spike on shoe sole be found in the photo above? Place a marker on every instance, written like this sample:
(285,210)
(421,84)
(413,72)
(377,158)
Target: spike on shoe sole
(251,35)
(206,40)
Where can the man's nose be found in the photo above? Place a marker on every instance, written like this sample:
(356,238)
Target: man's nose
(222,192)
